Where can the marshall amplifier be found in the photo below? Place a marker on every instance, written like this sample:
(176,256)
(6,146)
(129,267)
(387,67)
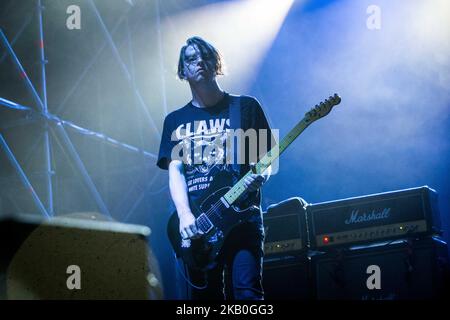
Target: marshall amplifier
(285,228)
(376,217)
(395,270)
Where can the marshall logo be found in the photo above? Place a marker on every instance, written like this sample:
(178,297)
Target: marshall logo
(356,217)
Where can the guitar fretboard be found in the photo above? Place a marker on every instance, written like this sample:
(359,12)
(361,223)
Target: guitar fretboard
(239,188)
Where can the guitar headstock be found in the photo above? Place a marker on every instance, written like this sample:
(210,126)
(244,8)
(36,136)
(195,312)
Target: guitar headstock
(322,109)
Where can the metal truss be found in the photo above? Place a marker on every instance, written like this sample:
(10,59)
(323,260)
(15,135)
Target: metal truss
(53,125)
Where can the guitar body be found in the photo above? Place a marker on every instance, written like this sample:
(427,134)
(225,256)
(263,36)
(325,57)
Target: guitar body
(201,253)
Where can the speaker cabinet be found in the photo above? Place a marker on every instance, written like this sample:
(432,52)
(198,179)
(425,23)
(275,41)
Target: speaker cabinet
(77,257)
(287,279)
(402,270)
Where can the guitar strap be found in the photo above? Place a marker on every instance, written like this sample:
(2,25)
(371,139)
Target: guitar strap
(235,123)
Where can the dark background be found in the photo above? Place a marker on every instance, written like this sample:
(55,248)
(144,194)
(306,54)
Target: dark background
(390,132)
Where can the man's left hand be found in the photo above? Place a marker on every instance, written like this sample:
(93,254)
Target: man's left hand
(254,182)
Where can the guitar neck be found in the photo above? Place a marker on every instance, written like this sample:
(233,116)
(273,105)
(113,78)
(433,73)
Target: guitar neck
(239,188)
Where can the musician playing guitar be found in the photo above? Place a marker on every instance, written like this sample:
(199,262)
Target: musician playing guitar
(198,168)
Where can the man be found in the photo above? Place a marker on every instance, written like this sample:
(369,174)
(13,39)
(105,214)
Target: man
(200,123)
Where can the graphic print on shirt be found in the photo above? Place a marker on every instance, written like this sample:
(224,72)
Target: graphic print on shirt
(204,150)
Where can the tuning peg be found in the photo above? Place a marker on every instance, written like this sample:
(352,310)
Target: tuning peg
(337,99)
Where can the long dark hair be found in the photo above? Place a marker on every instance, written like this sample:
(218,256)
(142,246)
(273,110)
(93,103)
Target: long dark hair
(207,51)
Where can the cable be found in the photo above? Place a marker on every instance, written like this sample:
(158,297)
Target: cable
(186,279)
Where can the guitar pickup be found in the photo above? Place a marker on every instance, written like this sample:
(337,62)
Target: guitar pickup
(204,224)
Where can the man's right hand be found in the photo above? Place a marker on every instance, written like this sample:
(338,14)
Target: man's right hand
(188,228)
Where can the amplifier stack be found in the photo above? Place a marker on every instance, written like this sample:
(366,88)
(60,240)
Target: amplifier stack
(286,266)
(329,250)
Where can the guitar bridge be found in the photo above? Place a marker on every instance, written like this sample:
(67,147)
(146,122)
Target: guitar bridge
(203,223)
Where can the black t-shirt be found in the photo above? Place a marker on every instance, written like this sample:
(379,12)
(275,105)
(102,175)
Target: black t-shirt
(190,134)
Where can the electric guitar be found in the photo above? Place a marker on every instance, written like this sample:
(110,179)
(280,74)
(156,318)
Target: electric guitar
(219,212)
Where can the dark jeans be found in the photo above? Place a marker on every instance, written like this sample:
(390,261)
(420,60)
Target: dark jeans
(239,272)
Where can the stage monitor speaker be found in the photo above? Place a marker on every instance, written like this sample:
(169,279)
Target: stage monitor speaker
(393,271)
(76,257)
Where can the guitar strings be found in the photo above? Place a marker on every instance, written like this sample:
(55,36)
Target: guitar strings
(213,208)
